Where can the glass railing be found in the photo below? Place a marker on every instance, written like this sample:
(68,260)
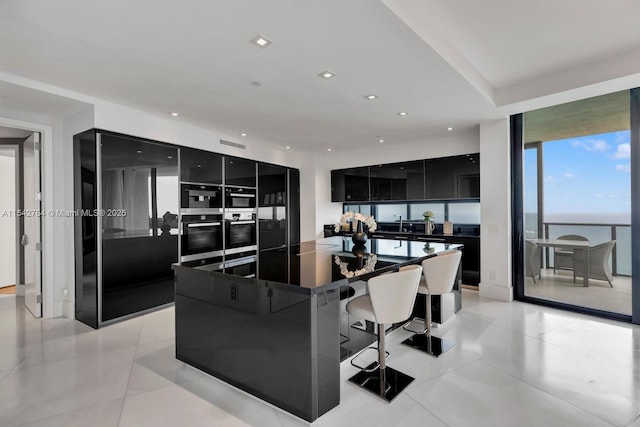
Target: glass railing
(620,261)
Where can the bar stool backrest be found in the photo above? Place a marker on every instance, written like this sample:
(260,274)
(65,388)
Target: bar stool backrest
(392,295)
(440,271)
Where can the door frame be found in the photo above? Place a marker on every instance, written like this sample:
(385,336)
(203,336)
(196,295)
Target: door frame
(517,219)
(17,160)
(46,179)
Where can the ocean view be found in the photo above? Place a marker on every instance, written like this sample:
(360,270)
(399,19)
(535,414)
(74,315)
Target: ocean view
(600,232)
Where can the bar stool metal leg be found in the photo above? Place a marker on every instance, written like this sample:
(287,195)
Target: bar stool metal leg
(426,342)
(385,382)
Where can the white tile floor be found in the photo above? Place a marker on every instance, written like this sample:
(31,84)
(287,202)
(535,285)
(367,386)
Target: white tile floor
(512,365)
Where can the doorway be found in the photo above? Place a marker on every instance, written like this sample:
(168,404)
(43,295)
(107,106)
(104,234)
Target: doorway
(573,205)
(20,218)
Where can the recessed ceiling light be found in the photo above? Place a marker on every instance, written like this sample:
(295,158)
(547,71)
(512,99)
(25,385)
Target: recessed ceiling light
(402,113)
(380,140)
(371,97)
(327,74)
(138,151)
(261,41)
(449,128)
(328,149)
(174,114)
(287,147)
(243,134)
(169,157)
(199,166)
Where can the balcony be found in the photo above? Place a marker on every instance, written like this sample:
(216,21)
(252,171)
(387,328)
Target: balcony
(559,285)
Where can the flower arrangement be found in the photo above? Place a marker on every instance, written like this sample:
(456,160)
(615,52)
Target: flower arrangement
(347,217)
(367,268)
(428,215)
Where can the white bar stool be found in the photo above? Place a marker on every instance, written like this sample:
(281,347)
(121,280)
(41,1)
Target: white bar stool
(439,277)
(390,300)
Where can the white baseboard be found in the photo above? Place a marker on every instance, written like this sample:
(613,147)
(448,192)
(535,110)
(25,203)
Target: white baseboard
(69,310)
(498,292)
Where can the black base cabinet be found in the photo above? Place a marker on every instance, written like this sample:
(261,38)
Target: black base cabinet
(274,342)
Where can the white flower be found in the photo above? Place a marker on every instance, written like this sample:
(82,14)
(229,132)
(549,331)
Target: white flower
(368,220)
(367,268)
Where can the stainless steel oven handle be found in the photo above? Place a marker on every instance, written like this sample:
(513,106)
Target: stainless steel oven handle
(203,224)
(241,222)
(240,261)
(242,195)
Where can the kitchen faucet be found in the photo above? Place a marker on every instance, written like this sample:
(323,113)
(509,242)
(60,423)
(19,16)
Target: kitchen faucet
(400,227)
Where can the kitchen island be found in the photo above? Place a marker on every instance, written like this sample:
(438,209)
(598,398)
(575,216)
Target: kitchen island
(282,335)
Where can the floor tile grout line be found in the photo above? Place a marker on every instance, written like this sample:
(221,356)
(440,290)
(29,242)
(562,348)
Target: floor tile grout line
(546,392)
(428,410)
(70,410)
(133,361)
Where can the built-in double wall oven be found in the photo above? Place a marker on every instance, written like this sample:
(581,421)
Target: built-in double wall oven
(201,236)
(201,223)
(218,227)
(240,230)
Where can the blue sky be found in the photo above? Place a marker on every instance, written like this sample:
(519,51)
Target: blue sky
(583,175)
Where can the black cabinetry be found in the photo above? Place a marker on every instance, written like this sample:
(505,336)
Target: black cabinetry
(128,249)
(294,206)
(350,185)
(397,181)
(456,177)
(272,185)
(86,238)
(272,210)
(278,206)
(200,166)
(239,172)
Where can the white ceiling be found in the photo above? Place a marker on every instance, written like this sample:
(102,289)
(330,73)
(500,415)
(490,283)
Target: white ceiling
(441,61)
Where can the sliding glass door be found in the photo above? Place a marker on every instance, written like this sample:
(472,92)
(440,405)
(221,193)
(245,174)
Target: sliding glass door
(576,199)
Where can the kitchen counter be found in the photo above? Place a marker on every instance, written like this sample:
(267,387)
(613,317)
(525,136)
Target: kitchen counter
(282,335)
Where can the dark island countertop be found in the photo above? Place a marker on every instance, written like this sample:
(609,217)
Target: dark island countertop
(321,265)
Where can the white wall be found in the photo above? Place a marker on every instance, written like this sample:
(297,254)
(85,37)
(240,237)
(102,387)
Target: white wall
(7,223)
(495,211)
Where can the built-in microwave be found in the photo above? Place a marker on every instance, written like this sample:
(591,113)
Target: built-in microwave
(201,236)
(240,198)
(240,231)
(196,197)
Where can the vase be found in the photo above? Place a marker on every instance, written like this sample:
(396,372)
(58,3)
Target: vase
(359,238)
(429,226)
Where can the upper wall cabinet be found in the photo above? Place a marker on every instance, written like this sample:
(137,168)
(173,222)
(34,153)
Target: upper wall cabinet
(456,177)
(240,172)
(272,185)
(198,166)
(350,185)
(397,181)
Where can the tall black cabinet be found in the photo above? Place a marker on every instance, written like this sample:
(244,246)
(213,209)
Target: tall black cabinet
(126,196)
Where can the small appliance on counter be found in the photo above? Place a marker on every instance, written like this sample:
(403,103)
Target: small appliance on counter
(447,228)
